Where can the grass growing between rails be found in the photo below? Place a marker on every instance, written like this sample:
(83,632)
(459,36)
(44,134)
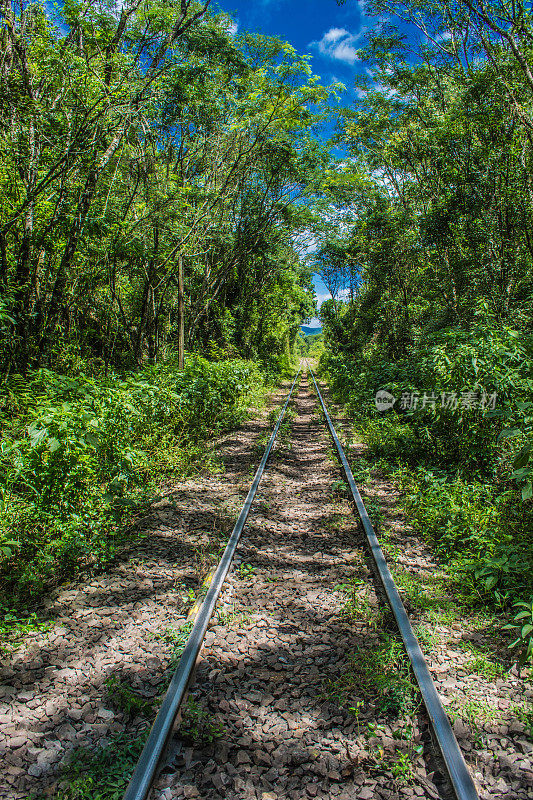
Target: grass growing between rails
(79,457)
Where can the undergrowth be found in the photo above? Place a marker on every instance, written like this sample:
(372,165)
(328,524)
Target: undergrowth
(103,773)
(379,672)
(464,471)
(80,457)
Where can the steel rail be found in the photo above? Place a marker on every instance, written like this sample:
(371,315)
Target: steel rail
(460,777)
(158,738)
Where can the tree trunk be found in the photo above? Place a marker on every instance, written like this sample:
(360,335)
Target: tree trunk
(181,315)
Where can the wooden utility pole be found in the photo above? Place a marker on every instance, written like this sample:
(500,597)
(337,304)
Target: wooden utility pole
(181,315)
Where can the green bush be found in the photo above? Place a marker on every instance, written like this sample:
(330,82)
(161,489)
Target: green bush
(78,455)
(486,360)
(462,468)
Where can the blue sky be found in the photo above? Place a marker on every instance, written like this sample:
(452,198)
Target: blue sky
(328,33)
(320,28)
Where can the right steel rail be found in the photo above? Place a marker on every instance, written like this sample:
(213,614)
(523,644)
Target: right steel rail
(460,777)
(146,769)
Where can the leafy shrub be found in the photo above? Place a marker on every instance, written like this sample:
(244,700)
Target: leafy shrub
(522,626)
(92,452)
(487,360)
(101,774)
(460,466)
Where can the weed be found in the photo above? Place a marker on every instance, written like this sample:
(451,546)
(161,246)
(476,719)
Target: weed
(480,663)
(245,571)
(359,603)
(103,773)
(422,595)
(15,626)
(197,725)
(384,672)
(334,521)
(80,457)
(522,626)
(401,764)
(187,593)
(525,715)
(474,713)
(402,767)
(230,616)
(272,416)
(125,699)
(374,510)
(361,469)
(356,710)
(178,637)
(444,614)
(427,637)
(380,672)
(372,729)
(339,488)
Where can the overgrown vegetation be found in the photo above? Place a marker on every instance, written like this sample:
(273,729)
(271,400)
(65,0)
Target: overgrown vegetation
(145,148)
(101,774)
(311,345)
(156,173)
(92,455)
(198,726)
(432,250)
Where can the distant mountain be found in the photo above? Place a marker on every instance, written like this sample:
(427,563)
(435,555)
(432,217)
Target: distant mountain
(309,331)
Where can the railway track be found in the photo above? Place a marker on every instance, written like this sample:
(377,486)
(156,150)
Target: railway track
(273,764)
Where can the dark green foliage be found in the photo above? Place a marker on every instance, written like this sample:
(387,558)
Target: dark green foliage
(311,345)
(102,774)
(436,252)
(198,727)
(93,452)
(139,147)
(454,466)
(124,699)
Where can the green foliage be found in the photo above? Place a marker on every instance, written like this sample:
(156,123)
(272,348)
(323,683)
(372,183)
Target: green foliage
(102,774)
(198,726)
(456,468)
(522,625)
(525,715)
(133,145)
(436,253)
(245,571)
(14,626)
(480,662)
(384,672)
(93,452)
(311,345)
(125,699)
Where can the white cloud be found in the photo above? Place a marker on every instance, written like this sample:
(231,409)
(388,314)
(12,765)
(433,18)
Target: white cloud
(339,44)
(232,29)
(321,297)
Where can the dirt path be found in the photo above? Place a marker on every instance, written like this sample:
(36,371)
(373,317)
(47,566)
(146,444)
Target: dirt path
(112,629)
(279,674)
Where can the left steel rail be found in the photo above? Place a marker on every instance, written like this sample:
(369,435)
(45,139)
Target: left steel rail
(160,734)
